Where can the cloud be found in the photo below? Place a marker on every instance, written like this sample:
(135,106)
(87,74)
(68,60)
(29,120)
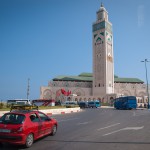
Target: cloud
(140,15)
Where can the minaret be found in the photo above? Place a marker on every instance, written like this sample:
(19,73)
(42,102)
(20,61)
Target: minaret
(103,61)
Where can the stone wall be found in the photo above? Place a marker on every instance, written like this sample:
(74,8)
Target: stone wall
(83,90)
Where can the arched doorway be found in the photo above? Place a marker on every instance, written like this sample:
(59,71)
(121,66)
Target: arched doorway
(111,101)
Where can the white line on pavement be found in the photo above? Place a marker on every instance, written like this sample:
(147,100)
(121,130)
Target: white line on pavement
(108,126)
(82,123)
(67,120)
(137,114)
(127,128)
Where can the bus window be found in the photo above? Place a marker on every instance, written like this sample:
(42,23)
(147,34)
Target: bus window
(18,101)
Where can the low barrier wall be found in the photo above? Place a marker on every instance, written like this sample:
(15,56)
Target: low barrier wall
(61,111)
(53,111)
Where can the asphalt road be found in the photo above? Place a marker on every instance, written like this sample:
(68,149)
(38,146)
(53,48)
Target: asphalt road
(97,129)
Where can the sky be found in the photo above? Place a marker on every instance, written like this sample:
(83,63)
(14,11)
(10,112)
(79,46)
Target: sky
(41,39)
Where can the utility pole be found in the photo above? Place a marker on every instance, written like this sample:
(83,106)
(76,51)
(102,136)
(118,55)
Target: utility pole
(145,61)
(28,88)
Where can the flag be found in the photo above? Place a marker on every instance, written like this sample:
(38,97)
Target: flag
(63,92)
(66,93)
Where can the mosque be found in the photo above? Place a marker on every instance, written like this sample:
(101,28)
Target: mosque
(101,84)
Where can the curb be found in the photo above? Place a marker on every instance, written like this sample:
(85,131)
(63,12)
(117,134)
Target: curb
(51,112)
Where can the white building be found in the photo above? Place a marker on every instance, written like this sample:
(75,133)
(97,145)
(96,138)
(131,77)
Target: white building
(102,84)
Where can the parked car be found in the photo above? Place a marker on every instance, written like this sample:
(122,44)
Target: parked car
(70,104)
(94,104)
(83,104)
(23,126)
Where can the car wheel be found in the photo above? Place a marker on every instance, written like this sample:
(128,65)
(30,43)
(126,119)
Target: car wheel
(29,140)
(54,130)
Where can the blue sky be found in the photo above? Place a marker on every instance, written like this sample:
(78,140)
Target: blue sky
(41,39)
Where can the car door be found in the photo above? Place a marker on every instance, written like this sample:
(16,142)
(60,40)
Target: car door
(36,125)
(46,123)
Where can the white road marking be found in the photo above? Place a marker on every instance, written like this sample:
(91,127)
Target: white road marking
(140,113)
(133,128)
(109,126)
(68,120)
(127,128)
(82,123)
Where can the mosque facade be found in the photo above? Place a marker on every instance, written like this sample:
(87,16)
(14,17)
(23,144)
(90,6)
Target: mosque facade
(101,84)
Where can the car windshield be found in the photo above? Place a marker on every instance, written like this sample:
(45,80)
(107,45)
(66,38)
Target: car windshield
(12,118)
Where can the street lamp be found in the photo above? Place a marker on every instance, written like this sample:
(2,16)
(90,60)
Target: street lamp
(145,61)
(28,88)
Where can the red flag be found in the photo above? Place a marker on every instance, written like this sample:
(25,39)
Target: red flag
(62,91)
(65,92)
(68,93)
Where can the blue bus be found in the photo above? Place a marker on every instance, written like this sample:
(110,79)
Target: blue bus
(127,102)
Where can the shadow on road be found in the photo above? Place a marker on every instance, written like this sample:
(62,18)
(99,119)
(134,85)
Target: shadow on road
(12,147)
(16,147)
(97,142)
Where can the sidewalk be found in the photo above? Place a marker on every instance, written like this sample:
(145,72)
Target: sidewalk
(107,107)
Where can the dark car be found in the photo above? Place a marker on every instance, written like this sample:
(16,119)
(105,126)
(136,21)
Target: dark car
(24,126)
(83,104)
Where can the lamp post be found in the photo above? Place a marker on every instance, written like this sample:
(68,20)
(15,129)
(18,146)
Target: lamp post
(28,89)
(145,61)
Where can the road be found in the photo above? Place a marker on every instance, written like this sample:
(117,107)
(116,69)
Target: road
(97,129)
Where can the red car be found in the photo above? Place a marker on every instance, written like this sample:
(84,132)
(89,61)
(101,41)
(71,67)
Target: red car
(24,126)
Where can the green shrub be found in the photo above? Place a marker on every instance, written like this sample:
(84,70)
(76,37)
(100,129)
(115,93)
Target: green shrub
(71,106)
(1,105)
